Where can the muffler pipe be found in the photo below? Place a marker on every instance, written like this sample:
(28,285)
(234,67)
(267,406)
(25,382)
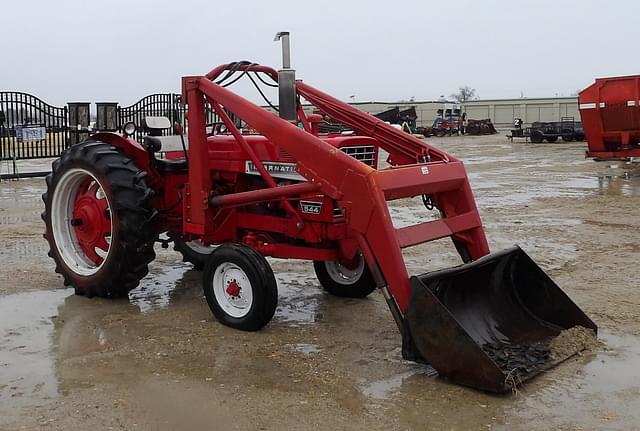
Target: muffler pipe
(287,98)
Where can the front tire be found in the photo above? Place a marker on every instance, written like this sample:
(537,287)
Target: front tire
(347,281)
(97,220)
(240,287)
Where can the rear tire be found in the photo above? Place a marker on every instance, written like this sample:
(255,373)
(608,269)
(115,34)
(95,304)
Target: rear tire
(193,252)
(98,220)
(340,280)
(240,287)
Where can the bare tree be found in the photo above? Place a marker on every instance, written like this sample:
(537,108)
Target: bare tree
(464,93)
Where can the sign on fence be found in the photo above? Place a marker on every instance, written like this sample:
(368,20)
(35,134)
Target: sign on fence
(30,133)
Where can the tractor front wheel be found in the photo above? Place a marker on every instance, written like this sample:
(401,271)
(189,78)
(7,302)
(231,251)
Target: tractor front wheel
(98,220)
(240,287)
(348,279)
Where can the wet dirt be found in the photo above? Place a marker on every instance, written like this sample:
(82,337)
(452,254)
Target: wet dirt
(159,360)
(570,341)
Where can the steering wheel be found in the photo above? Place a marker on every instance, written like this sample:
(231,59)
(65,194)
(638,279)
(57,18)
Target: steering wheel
(216,128)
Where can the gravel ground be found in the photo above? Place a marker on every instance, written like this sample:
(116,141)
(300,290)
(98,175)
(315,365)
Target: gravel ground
(159,361)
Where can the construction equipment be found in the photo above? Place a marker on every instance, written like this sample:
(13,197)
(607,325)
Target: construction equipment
(396,116)
(288,191)
(610,111)
(480,127)
(449,121)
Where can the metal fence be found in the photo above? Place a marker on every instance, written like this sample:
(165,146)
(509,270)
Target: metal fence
(154,105)
(33,129)
(159,105)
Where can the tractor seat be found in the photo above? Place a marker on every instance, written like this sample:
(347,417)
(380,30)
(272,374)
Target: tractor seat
(163,145)
(172,166)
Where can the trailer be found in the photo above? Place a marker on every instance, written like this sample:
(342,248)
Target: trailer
(567,129)
(610,111)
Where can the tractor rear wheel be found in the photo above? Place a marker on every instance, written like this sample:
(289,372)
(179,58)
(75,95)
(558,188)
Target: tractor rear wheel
(98,220)
(193,252)
(240,287)
(346,280)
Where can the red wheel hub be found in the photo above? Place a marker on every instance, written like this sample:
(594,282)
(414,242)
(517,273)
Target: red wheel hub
(233,289)
(91,219)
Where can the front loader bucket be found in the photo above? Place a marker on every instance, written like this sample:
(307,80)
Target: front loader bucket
(493,323)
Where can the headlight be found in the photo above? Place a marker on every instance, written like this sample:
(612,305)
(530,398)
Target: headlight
(129,129)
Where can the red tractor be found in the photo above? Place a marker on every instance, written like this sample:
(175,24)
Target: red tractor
(280,188)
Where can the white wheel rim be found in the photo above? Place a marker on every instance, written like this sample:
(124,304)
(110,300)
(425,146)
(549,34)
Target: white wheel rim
(197,246)
(232,290)
(344,275)
(61,212)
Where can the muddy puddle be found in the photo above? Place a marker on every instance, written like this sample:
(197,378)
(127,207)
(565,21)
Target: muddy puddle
(600,390)
(620,179)
(177,283)
(28,324)
(27,357)
(299,298)
(21,194)
(167,284)
(388,387)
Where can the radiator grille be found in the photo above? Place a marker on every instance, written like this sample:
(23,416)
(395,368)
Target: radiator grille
(365,153)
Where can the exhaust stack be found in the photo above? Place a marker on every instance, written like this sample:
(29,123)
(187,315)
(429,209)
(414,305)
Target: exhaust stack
(287,99)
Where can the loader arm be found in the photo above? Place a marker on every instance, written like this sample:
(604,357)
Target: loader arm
(402,148)
(361,191)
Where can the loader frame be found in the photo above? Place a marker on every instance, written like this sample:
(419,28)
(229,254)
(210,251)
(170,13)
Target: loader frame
(416,169)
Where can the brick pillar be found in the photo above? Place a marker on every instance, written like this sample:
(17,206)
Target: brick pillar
(78,121)
(107,116)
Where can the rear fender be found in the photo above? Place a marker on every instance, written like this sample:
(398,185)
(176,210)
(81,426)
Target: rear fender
(131,148)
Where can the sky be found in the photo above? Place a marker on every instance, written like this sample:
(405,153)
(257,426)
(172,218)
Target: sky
(122,50)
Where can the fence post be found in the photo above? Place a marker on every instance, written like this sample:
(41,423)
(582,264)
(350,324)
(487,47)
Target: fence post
(78,122)
(107,116)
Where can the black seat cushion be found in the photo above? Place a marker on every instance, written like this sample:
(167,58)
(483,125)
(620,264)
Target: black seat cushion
(172,166)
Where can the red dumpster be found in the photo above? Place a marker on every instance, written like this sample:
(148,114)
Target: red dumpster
(610,111)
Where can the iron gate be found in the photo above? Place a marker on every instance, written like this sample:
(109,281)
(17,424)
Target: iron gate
(154,105)
(162,105)
(31,128)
